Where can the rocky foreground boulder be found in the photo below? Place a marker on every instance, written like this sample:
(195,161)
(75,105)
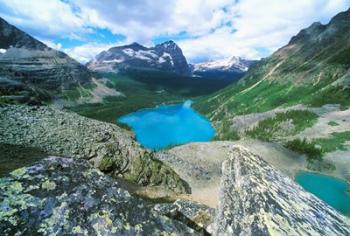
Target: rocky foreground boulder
(110,148)
(255,199)
(67,196)
(64,196)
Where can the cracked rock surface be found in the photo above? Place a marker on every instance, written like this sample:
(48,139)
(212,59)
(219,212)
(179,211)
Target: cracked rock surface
(64,196)
(255,199)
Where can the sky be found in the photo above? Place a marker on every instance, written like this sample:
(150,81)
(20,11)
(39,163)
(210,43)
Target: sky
(204,29)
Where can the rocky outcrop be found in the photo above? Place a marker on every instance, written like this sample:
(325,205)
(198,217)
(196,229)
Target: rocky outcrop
(165,57)
(63,196)
(111,149)
(37,71)
(198,216)
(255,199)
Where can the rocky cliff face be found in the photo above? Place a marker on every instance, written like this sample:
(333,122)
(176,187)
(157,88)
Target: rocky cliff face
(165,57)
(29,69)
(63,196)
(110,148)
(255,199)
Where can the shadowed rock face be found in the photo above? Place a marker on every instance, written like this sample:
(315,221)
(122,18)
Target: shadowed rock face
(13,37)
(34,67)
(61,196)
(111,149)
(255,199)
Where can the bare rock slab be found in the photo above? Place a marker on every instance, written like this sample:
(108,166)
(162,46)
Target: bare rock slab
(255,199)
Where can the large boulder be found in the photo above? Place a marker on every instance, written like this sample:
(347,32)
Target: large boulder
(63,196)
(255,199)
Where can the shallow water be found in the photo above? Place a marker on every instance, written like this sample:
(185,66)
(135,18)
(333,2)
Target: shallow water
(333,191)
(168,125)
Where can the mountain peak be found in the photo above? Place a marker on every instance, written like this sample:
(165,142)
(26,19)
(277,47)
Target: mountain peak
(233,63)
(168,45)
(166,57)
(11,36)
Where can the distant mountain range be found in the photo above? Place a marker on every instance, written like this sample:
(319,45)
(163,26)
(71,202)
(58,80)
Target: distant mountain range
(30,70)
(230,68)
(165,57)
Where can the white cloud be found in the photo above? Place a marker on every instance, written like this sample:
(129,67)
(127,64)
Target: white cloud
(51,44)
(215,28)
(87,51)
(266,25)
(43,18)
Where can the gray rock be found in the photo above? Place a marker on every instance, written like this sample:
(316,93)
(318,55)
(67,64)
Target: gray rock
(199,216)
(111,149)
(63,196)
(255,199)
(40,71)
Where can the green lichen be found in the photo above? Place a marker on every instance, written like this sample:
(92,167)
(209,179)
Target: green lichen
(15,201)
(48,185)
(127,226)
(77,230)
(103,223)
(19,172)
(17,187)
(60,215)
(138,228)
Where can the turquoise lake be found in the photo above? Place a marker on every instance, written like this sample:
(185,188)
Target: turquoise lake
(168,125)
(332,190)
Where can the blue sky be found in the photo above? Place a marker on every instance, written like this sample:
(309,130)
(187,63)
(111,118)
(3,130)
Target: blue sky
(204,29)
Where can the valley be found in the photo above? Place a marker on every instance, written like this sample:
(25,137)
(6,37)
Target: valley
(139,142)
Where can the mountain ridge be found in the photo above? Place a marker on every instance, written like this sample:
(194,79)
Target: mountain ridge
(312,69)
(33,72)
(232,68)
(165,57)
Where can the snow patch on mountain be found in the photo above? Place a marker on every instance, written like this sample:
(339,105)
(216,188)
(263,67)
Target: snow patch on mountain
(165,57)
(114,61)
(236,64)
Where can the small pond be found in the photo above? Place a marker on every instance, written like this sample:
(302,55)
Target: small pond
(168,125)
(333,191)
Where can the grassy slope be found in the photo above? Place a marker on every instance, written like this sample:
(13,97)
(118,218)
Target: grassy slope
(272,129)
(309,70)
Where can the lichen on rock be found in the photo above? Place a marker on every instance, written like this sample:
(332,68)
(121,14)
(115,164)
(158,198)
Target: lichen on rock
(65,196)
